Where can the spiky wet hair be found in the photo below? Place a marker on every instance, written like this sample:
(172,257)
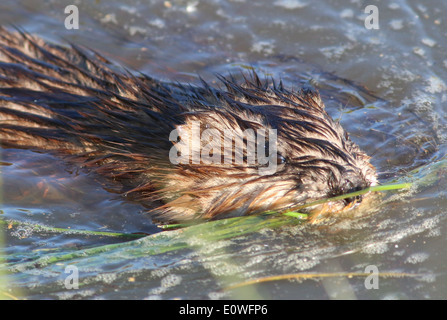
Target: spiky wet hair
(73,102)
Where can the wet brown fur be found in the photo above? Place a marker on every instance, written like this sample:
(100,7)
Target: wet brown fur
(75,103)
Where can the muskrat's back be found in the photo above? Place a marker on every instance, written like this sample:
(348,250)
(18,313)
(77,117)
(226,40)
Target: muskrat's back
(72,102)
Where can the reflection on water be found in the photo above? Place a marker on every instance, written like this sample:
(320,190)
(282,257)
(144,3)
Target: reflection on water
(386,87)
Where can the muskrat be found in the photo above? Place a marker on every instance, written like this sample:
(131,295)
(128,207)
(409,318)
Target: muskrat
(73,102)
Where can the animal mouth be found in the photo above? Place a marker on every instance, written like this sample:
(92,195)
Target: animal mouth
(337,204)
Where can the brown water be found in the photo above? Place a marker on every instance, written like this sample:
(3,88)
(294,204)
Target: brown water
(401,122)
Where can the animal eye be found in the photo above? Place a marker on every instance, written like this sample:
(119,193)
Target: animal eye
(280,159)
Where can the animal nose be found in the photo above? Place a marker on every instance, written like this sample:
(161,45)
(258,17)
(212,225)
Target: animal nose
(357,198)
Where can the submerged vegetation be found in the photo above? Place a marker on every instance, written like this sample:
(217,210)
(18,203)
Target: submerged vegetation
(196,237)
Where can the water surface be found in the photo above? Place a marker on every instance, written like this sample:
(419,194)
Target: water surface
(386,86)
